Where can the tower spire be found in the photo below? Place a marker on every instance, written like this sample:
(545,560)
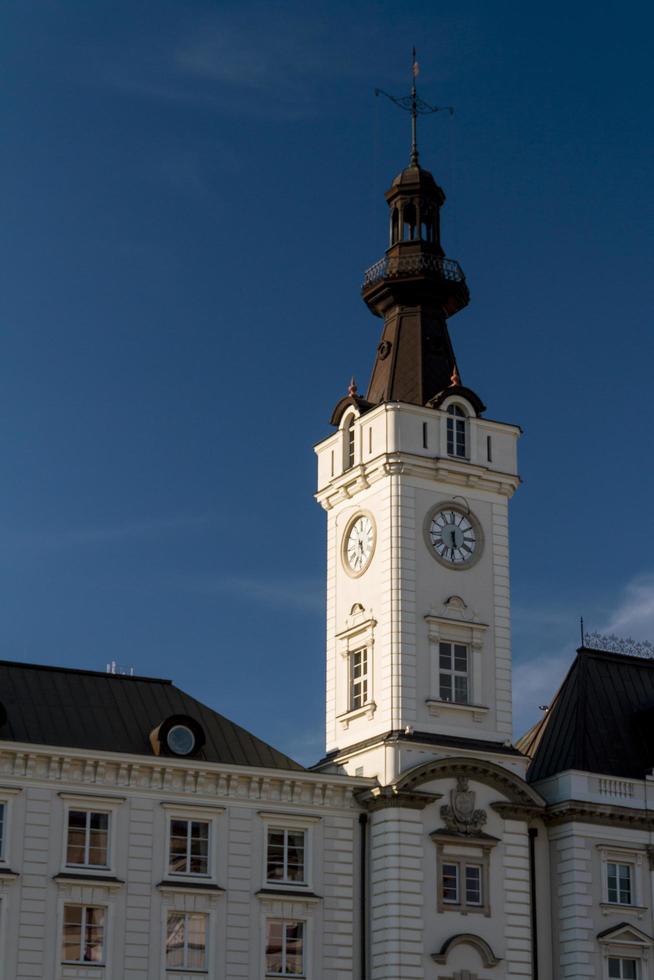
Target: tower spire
(416,106)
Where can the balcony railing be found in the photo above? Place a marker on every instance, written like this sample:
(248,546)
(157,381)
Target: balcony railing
(394,266)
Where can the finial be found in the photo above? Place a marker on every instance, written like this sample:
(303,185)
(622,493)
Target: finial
(455,379)
(352,388)
(416,106)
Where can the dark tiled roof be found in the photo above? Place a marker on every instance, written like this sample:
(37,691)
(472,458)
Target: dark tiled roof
(85,709)
(601,720)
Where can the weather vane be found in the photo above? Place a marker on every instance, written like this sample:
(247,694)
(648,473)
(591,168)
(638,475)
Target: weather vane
(416,106)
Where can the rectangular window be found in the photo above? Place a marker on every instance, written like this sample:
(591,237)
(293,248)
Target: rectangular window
(87,844)
(3,829)
(424,435)
(619,883)
(285,856)
(473,884)
(489,449)
(186,941)
(358,678)
(83,940)
(456,433)
(620,969)
(284,948)
(461,884)
(189,847)
(453,672)
(451,883)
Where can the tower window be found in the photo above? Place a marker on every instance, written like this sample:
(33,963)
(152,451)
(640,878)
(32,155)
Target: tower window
(395,226)
(409,222)
(453,679)
(456,432)
(358,679)
(349,443)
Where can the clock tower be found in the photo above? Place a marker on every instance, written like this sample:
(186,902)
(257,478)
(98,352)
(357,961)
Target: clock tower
(416,481)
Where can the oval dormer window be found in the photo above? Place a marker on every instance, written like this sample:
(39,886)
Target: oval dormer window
(181,740)
(178,735)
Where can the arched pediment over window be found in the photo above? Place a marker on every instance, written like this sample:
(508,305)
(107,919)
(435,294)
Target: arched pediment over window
(486,954)
(515,789)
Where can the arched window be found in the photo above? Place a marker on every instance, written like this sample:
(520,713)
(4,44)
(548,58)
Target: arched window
(409,221)
(456,432)
(395,226)
(349,443)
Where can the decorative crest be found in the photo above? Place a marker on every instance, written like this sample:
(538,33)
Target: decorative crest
(460,815)
(611,643)
(352,387)
(416,106)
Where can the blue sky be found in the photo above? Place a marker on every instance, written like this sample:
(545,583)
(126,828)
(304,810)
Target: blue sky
(190,194)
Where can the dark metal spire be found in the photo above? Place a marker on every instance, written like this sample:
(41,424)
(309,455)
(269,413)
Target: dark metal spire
(416,106)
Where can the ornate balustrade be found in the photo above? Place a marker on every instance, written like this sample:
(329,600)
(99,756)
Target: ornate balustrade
(410,265)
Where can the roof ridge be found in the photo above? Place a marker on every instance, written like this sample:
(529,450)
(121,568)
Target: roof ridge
(82,670)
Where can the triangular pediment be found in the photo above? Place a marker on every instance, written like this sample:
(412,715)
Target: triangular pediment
(625,934)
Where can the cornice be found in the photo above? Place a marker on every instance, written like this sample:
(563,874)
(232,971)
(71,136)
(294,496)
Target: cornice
(605,814)
(101,775)
(441,469)
(383,797)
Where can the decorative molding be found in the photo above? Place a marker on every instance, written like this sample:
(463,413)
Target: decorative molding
(148,775)
(188,887)
(368,709)
(517,811)
(288,815)
(605,814)
(96,880)
(459,815)
(436,707)
(481,770)
(85,799)
(488,957)
(288,894)
(383,797)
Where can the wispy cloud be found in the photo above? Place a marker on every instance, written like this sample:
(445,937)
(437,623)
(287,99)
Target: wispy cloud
(100,533)
(304,595)
(537,678)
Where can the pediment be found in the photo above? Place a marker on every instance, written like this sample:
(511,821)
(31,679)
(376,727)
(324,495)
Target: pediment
(627,935)
(509,783)
(486,954)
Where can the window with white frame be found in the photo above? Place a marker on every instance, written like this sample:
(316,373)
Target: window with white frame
(186,941)
(285,948)
(188,847)
(457,421)
(622,969)
(87,839)
(84,934)
(619,883)
(358,678)
(286,856)
(453,672)
(461,884)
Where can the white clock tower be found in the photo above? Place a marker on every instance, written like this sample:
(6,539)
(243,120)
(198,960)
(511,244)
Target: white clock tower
(416,482)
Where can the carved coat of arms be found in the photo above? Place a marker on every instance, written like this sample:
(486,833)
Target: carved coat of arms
(460,815)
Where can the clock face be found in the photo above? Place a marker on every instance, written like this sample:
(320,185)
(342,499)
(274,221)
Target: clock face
(453,536)
(359,544)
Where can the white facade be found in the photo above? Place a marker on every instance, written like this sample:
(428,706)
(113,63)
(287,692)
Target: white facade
(136,893)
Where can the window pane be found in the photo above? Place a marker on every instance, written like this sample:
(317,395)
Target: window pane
(446,687)
(473,885)
(629,970)
(295,861)
(294,948)
(461,658)
(175,940)
(461,690)
(445,656)
(450,883)
(614,968)
(196,941)
(72,938)
(273,946)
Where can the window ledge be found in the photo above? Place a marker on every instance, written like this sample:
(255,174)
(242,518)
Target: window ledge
(8,873)
(176,885)
(609,907)
(365,709)
(106,881)
(436,706)
(288,894)
(84,964)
